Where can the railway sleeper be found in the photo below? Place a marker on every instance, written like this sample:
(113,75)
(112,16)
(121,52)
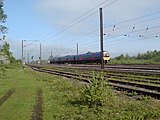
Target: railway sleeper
(137,80)
(129,86)
(149,87)
(140,91)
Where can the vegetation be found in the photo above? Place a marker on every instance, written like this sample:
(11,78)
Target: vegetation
(2,71)
(9,57)
(150,57)
(3,17)
(63,99)
(6,52)
(97,92)
(5,49)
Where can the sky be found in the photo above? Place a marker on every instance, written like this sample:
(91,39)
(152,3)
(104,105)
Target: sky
(130,26)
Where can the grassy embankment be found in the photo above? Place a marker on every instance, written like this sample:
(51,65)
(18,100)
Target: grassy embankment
(62,100)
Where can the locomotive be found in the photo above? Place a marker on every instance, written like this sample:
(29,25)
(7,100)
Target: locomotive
(90,57)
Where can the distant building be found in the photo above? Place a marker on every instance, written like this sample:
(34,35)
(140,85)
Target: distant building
(4,58)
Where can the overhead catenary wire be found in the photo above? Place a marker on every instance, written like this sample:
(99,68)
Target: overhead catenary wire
(68,26)
(130,20)
(120,27)
(71,23)
(135,41)
(124,33)
(59,32)
(92,14)
(121,35)
(94,46)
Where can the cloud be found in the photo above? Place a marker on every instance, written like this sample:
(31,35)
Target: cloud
(127,9)
(34,49)
(59,13)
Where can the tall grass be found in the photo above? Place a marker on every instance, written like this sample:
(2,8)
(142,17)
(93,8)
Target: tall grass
(68,99)
(97,92)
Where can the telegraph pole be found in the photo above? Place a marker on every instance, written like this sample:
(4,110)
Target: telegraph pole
(101,37)
(22,51)
(77,48)
(22,54)
(28,57)
(40,55)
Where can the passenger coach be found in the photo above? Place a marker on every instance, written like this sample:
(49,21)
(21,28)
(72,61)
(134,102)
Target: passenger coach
(90,57)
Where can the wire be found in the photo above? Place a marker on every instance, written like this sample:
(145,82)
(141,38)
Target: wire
(125,34)
(119,28)
(71,22)
(126,21)
(69,26)
(110,4)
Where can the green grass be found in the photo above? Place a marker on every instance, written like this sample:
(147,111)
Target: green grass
(19,105)
(61,98)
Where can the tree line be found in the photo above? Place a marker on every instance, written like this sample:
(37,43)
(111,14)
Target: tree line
(150,57)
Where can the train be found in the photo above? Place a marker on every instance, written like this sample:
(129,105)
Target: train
(89,57)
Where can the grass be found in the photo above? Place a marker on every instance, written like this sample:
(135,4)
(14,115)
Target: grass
(61,100)
(19,105)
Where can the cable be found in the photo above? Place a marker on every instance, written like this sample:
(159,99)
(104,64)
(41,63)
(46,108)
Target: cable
(110,4)
(71,22)
(142,22)
(110,26)
(137,39)
(138,36)
(68,27)
(127,33)
(126,21)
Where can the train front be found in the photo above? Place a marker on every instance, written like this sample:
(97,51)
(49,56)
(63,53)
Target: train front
(106,57)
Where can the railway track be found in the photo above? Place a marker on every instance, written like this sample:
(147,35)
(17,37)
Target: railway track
(143,85)
(136,69)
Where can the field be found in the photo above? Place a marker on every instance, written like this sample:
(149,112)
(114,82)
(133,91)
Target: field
(29,95)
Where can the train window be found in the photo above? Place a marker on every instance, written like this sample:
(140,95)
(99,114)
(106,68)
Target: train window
(106,55)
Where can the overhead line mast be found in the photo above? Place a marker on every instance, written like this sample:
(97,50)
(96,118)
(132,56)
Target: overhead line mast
(101,37)
(77,48)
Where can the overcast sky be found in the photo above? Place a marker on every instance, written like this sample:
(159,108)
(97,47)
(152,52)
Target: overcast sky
(130,26)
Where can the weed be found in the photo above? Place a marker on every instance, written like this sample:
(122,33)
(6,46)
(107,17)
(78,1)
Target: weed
(132,93)
(2,71)
(96,93)
(145,98)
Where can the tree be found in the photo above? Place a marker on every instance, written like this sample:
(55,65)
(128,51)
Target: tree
(120,57)
(3,30)
(6,51)
(3,18)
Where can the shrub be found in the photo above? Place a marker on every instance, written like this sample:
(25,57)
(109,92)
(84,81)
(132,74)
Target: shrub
(2,71)
(97,92)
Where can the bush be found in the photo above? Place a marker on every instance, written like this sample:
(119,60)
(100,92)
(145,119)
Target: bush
(2,71)
(97,92)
